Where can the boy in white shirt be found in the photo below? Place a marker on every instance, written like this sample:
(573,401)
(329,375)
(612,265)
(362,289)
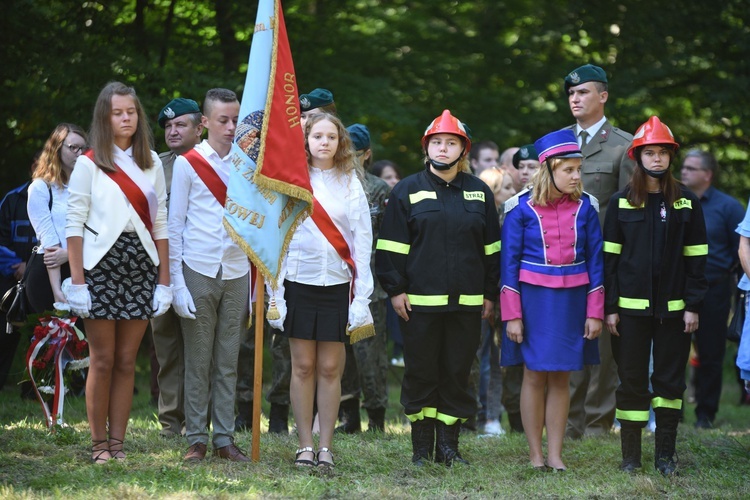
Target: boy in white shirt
(210,276)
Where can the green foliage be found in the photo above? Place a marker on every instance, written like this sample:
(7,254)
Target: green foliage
(393,65)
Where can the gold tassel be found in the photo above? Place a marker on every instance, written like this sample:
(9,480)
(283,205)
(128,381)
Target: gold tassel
(273,312)
(360,333)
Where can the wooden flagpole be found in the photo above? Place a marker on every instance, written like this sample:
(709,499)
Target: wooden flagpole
(258,365)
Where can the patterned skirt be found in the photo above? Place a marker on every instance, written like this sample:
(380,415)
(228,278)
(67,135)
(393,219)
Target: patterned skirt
(122,283)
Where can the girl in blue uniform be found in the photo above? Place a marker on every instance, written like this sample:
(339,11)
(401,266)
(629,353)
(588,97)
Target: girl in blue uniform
(552,293)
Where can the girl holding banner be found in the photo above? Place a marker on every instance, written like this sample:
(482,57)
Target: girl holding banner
(325,283)
(117,247)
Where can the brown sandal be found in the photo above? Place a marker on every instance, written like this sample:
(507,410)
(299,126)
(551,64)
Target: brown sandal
(96,452)
(117,454)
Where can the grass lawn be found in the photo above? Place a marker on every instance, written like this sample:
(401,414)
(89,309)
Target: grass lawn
(37,464)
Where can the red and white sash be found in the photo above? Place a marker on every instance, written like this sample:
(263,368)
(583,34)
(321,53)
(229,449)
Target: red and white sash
(208,175)
(137,189)
(213,182)
(333,234)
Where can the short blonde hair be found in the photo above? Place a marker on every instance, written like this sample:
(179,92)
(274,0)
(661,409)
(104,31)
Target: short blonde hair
(493,177)
(543,185)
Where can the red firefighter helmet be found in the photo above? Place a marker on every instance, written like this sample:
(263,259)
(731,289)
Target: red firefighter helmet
(446,123)
(652,132)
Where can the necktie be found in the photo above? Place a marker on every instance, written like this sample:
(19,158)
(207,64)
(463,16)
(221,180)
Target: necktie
(584,138)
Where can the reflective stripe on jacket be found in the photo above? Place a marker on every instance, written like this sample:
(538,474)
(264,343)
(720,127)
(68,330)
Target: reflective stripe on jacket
(628,234)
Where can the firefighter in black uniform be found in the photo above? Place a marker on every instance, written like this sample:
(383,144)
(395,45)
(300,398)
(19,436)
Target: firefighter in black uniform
(438,260)
(655,253)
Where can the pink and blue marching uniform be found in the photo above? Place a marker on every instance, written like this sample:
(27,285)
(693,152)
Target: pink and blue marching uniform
(552,277)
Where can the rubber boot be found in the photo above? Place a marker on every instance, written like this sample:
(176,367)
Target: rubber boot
(377,419)
(446,447)
(244,419)
(665,441)
(516,424)
(422,441)
(349,416)
(278,420)
(630,440)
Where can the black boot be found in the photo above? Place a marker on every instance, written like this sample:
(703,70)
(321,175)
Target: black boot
(278,420)
(377,419)
(516,424)
(349,416)
(244,419)
(665,441)
(422,440)
(630,439)
(446,447)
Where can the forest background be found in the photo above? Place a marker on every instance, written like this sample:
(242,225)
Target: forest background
(393,65)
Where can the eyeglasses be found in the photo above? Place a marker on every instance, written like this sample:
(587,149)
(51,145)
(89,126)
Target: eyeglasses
(76,149)
(691,169)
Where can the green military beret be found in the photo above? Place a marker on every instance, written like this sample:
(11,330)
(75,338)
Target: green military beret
(360,136)
(177,107)
(315,99)
(527,152)
(586,73)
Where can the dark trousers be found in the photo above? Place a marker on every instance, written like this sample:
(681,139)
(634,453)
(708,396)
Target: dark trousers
(632,350)
(711,341)
(439,348)
(38,288)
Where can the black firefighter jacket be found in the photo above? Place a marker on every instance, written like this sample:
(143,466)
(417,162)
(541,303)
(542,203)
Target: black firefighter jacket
(440,243)
(628,233)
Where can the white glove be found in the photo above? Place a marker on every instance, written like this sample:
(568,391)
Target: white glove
(183,302)
(359,314)
(78,297)
(281,306)
(162,300)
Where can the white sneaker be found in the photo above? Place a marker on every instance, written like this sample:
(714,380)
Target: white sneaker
(399,362)
(493,428)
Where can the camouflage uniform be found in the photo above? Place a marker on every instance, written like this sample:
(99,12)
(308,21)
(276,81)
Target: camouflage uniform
(367,360)
(246,368)
(281,372)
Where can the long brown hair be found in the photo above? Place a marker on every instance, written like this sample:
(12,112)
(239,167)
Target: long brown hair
(344,160)
(103,138)
(49,168)
(638,187)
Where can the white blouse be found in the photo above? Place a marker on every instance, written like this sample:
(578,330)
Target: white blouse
(311,258)
(49,225)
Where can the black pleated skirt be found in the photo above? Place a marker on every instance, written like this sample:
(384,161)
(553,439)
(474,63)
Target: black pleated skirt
(316,312)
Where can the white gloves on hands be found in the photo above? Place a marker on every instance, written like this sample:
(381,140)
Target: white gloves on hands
(162,300)
(183,302)
(281,306)
(78,298)
(359,313)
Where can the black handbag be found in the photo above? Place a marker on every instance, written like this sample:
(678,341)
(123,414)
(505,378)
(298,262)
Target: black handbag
(734,330)
(14,303)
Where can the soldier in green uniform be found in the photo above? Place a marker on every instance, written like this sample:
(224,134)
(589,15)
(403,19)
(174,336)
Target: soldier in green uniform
(606,169)
(181,121)
(367,361)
